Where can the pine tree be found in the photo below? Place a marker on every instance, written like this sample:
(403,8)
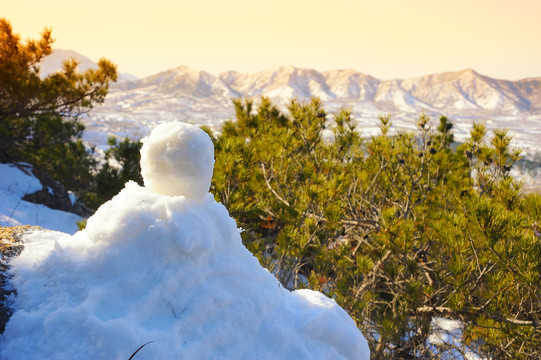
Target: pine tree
(401,229)
(39,117)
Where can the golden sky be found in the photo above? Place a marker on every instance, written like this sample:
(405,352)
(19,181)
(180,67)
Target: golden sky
(384,38)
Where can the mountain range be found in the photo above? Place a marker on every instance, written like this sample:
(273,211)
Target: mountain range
(460,92)
(454,93)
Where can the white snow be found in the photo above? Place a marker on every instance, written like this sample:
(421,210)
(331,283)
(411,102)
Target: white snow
(167,268)
(445,331)
(17,181)
(448,335)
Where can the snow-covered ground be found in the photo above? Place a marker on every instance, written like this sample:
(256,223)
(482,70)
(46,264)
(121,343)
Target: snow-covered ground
(17,181)
(165,264)
(448,337)
(134,114)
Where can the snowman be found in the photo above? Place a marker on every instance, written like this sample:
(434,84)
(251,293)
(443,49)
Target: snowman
(163,265)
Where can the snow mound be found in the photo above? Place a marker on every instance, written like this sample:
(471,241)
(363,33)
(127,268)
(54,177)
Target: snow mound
(16,181)
(177,159)
(168,269)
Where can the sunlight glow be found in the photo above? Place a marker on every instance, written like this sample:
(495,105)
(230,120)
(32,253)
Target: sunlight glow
(386,39)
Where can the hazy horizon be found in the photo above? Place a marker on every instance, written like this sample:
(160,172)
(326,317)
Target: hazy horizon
(388,40)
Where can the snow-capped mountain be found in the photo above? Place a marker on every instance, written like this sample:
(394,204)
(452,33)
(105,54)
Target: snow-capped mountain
(460,93)
(181,81)
(454,93)
(351,85)
(468,90)
(280,82)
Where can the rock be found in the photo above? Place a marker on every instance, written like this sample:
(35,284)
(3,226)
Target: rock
(54,195)
(11,245)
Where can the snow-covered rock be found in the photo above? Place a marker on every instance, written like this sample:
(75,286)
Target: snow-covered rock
(165,267)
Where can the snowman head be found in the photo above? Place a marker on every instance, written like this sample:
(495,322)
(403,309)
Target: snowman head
(177,159)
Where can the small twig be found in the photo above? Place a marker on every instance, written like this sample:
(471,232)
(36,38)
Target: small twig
(142,346)
(281,199)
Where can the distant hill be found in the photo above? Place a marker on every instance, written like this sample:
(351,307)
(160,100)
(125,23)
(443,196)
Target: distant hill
(53,63)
